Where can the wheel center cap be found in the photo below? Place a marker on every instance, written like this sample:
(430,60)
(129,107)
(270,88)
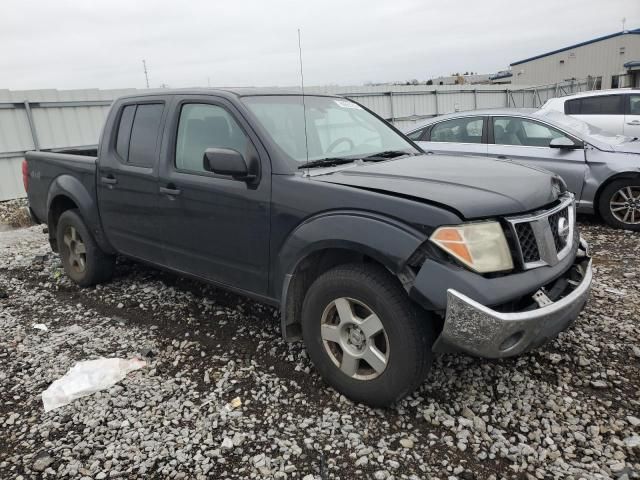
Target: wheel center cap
(356,337)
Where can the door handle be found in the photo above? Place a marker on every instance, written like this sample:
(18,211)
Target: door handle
(502,157)
(170,190)
(109,180)
(634,122)
(429,152)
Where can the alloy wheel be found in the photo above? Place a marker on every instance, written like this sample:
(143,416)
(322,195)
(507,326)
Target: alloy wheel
(625,205)
(77,251)
(354,338)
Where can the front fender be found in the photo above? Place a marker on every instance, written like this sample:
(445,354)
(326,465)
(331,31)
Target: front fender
(384,239)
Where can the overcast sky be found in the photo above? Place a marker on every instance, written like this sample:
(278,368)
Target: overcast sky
(100,44)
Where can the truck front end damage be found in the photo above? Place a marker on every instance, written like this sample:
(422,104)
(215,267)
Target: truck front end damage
(508,313)
(479,330)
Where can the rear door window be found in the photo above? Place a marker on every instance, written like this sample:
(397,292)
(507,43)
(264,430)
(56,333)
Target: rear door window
(144,134)
(595,105)
(459,130)
(124,131)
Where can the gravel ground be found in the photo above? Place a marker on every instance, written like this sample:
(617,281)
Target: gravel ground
(569,410)
(13,214)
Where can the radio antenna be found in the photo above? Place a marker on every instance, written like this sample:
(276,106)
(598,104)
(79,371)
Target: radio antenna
(146,75)
(304,105)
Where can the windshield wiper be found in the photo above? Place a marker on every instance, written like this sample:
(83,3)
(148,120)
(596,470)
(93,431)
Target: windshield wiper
(387,154)
(327,162)
(376,157)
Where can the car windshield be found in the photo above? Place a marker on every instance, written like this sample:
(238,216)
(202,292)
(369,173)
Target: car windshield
(336,128)
(582,129)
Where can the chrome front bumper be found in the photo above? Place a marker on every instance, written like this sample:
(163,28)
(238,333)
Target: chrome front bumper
(478,330)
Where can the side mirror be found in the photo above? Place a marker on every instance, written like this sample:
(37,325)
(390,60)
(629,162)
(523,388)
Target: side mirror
(563,142)
(226,161)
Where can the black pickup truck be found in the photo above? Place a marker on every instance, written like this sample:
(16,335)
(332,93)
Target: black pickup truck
(376,254)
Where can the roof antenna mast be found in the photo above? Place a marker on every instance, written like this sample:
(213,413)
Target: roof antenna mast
(304,106)
(146,75)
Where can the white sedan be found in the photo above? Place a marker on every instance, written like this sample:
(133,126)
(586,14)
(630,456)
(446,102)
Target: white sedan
(615,111)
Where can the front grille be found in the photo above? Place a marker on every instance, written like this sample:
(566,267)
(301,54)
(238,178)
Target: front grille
(545,237)
(559,240)
(528,244)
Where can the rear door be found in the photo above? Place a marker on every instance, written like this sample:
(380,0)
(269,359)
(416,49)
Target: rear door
(214,227)
(527,141)
(632,115)
(463,135)
(127,180)
(603,111)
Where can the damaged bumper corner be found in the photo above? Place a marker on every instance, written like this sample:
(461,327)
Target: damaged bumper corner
(478,330)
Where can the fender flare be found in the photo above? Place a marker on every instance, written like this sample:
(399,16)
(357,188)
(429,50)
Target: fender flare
(388,241)
(70,187)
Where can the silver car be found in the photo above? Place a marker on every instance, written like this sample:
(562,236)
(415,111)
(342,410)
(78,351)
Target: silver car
(601,169)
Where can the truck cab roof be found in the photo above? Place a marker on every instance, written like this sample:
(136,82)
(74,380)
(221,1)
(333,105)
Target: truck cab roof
(223,92)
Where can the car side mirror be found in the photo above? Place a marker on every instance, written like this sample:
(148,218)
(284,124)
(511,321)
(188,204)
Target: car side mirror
(226,161)
(564,142)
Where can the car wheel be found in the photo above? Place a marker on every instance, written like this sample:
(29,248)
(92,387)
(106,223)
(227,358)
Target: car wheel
(364,335)
(83,260)
(619,204)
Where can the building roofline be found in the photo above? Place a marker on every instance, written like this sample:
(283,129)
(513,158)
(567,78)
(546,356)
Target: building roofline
(582,44)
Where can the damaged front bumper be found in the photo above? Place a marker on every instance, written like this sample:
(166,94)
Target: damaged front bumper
(478,330)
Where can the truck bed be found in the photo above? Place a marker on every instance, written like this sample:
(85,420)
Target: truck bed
(66,166)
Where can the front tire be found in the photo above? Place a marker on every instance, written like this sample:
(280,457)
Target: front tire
(364,335)
(83,260)
(619,204)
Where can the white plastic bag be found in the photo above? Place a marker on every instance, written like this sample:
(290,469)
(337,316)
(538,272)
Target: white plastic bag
(86,378)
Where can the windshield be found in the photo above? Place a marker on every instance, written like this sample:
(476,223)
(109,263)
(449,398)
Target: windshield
(336,128)
(581,128)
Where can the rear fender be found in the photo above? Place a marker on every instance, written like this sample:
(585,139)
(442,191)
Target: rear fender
(70,187)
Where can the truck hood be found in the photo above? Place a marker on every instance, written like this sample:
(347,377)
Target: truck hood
(475,187)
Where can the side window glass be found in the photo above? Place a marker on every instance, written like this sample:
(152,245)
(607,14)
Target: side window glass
(417,135)
(518,131)
(459,130)
(144,134)
(602,105)
(634,105)
(203,126)
(124,132)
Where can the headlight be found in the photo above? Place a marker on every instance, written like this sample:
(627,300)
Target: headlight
(480,246)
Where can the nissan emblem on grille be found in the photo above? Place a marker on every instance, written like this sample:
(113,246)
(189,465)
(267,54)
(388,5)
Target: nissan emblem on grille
(563,228)
(545,237)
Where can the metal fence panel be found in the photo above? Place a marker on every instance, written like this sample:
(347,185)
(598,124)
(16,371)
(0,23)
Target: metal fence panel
(50,119)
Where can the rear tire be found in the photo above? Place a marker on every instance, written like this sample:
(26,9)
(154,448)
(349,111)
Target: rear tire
(83,260)
(619,204)
(374,361)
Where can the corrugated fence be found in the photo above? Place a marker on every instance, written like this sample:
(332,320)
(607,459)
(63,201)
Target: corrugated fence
(56,119)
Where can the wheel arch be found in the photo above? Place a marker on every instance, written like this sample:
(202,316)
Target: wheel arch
(608,181)
(67,192)
(332,239)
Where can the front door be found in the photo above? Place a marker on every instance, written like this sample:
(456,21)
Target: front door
(127,181)
(457,136)
(527,141)
(215,227)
